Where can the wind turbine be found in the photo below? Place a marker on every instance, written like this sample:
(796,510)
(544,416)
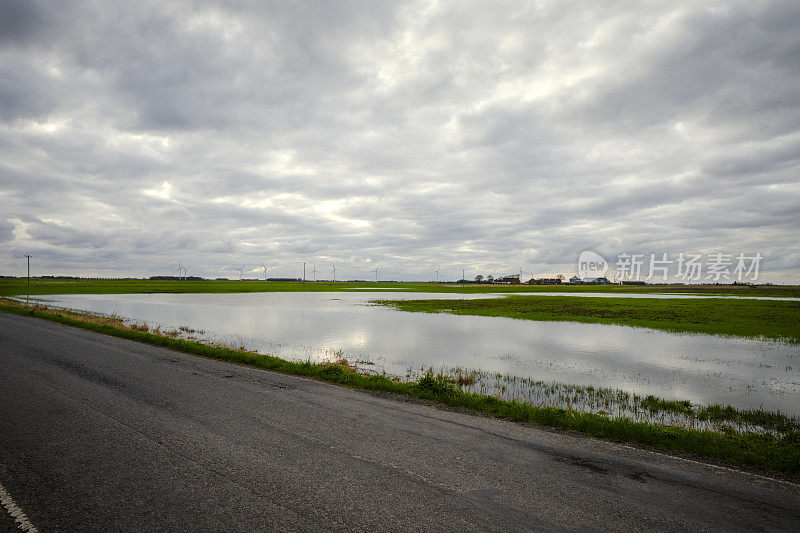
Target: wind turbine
(520,273)
(186,272)
(314,272)
(179,269)
(437,274)
(266,267)
(334,272)
(376,274)
(241,272)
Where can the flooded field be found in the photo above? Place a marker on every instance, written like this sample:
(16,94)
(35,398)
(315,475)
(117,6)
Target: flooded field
(591,367)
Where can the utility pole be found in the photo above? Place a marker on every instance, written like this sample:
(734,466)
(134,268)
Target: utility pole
(304,272)
(28,297)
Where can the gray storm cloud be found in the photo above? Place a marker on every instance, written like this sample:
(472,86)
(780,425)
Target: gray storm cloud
(457,135)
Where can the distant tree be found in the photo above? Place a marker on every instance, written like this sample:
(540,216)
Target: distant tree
(479,278)
(490,278)
(561,277)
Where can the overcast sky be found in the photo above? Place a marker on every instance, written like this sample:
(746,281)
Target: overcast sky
(407,136)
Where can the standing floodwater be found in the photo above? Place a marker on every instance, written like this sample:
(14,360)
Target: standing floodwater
(748,374)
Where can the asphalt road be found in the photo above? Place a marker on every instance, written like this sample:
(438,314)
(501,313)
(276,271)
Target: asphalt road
(98,433)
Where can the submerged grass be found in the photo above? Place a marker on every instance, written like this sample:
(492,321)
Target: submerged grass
(614,403)
(767,452)
(769,319)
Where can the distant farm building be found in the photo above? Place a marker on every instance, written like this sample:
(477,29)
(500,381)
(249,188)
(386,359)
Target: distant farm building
(595,281)
(575,280)
(545,281)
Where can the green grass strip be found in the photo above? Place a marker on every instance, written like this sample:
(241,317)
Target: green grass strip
(39,286)
(769,319)
(768,453)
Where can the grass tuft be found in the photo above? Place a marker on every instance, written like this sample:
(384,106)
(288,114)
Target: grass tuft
(434,386)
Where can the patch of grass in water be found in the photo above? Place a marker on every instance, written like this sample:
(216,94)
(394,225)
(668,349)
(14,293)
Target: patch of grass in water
(654,405)
(613,403)
(761,319)
(753,417)
(436,385)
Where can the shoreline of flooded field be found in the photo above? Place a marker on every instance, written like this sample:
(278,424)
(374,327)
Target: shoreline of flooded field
(702,369)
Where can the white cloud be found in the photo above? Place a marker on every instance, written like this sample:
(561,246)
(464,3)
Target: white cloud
(162,192)
(412,135)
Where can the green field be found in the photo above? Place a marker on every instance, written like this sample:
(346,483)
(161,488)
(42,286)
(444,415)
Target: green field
(19,286)
(770,319)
